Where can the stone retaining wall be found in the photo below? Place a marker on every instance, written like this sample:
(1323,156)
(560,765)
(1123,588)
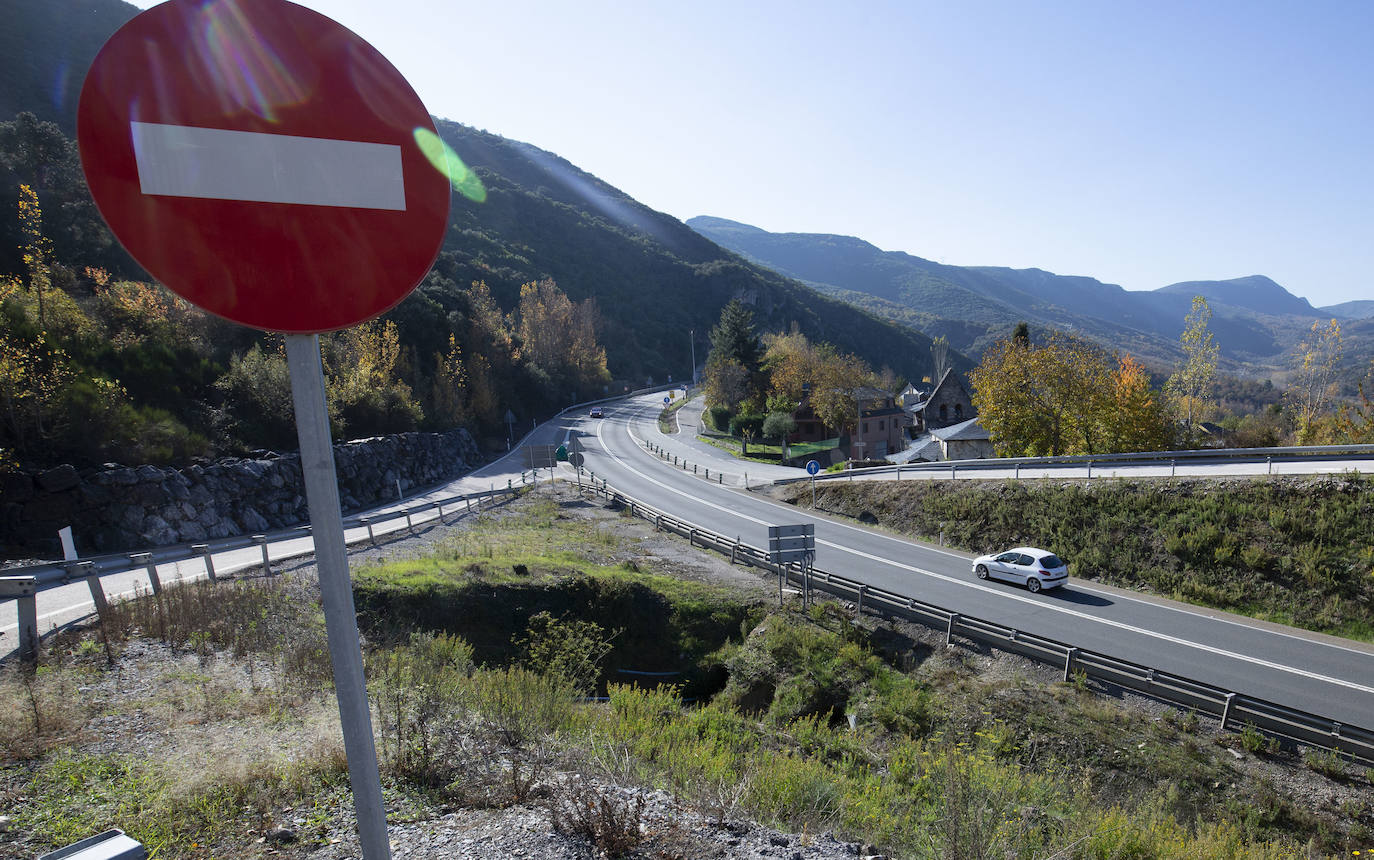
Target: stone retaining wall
(127,508)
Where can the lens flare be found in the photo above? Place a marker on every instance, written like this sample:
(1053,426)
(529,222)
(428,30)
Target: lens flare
(463,179)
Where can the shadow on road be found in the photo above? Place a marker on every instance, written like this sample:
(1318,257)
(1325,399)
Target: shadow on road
(1082,598)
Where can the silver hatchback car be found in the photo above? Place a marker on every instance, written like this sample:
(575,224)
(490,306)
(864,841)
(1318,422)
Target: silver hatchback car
(1024,565)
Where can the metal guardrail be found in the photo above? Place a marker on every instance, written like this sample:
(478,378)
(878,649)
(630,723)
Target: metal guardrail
(1229,707)
(1267,456)
(23,583)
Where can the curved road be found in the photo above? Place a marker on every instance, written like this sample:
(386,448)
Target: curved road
(1324,675)
(1321,674)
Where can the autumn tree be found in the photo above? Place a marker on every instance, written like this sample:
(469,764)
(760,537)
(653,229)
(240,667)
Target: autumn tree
(364,379)
(834,393)
(449,387)
(1314,380)
(1065,396)
(558,338)
(1132,418)
(1191,386)
(829,379)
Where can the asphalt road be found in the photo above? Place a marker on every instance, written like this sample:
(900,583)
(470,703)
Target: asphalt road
(1321,674)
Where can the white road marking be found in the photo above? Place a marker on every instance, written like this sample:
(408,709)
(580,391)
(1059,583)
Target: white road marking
(1221,652)
(219,164)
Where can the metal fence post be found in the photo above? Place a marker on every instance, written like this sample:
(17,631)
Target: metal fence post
(146,559)
(86,569)
(1226,711)
(204,550)
(261,540)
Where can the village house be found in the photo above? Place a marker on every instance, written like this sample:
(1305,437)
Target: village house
(948,404)
(880,428)
(966,440)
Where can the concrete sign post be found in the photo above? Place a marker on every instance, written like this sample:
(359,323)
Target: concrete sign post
(271,167)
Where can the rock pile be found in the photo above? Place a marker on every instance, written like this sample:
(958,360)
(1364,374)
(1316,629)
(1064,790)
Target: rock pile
(121,507)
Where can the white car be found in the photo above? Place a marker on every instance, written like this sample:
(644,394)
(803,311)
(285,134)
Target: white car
(1024,565)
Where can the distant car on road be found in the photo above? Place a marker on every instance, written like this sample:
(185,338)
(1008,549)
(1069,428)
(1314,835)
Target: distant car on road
(596,412)
(1024,565)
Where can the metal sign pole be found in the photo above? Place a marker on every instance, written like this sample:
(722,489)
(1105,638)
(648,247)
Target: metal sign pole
(336,590)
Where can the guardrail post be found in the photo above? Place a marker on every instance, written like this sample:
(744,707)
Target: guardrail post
(734,549)
(410,524)
(1269,464)
(949,631)
(469,501)
(261,540)
(439,506)
(1068,663)
(1018,471)
(1090,470)
(953,471)
(1173,468)
(692,537)
(204,550)
(899,473)
(1226,711)
(28,626)
(371,535)
(86,570)
(863,589)
(146,559)
(658,523)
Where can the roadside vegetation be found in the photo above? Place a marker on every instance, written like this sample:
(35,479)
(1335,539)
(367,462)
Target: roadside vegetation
(1294,551)
(193,720)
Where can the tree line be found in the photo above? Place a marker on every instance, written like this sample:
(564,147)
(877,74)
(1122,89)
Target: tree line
(99,364)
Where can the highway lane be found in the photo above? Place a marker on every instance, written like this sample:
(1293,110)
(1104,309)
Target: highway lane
(1324,675)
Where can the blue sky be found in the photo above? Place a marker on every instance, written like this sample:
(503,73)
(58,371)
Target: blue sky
(1138,143)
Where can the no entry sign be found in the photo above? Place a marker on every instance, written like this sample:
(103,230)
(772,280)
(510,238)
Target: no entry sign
(261,160)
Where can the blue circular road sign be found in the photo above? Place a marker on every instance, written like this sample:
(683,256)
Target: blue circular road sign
(812,467)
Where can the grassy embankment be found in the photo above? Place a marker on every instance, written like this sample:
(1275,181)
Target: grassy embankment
(944,762)
(1296,551)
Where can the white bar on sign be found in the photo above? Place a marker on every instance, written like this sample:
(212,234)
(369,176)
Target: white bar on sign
(218,164)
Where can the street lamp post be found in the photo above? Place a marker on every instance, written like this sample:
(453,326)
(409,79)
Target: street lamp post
(692,339)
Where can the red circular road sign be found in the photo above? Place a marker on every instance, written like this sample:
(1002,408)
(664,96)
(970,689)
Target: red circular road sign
(263,162)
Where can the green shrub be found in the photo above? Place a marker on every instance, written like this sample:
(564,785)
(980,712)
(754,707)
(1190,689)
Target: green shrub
(567,648)
(718,418)
(1325,762)
(747,424)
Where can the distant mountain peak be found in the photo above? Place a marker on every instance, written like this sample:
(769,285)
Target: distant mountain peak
(1253,292)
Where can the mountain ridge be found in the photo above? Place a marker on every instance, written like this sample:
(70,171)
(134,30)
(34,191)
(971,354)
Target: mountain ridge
(1256,321)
